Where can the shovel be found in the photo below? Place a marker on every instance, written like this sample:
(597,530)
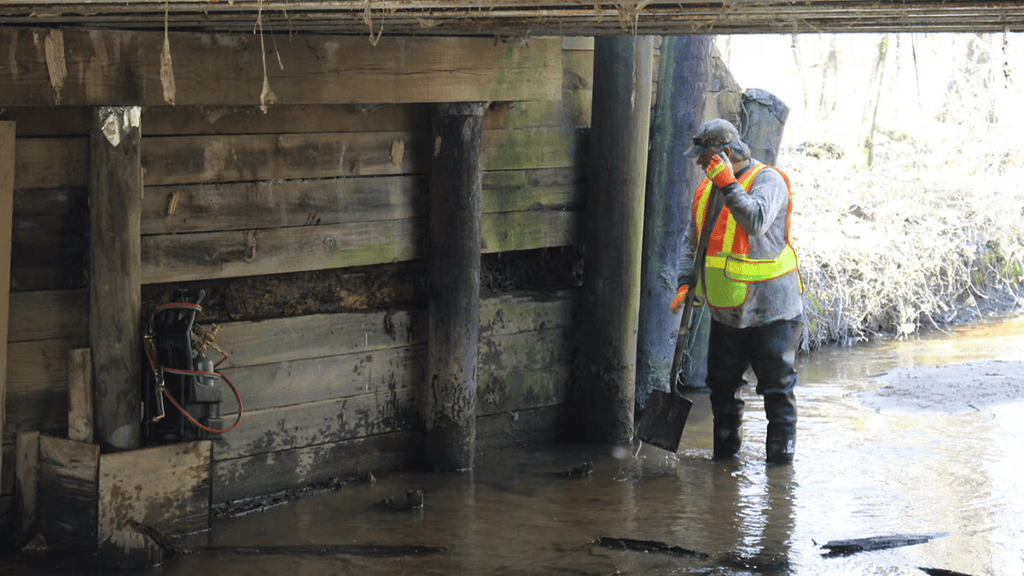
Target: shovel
(663,421)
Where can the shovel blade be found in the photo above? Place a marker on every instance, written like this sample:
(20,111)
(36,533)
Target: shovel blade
(663,421)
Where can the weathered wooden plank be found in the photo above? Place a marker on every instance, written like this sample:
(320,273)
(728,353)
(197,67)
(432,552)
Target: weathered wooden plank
(166,488)
(278,119)
(49,314)
(281,203)
(7,163)
(533,148)
(216,69)
(8,453)
(234,158)
(67,492)
(525,370)
(176,209)
(183,257)
(513,314)
(62,121)
(40,364)
(80,421)
(507,231)
(520,428)
(26,484)
(318,335)
(115,279)
(571,110)
(52,163)
(544,189)
(271,472)
(316,423)
(578,70)
(50,243)
(45,411)
(578,43)
(318,379)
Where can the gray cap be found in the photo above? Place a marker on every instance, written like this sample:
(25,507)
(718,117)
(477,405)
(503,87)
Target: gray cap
(712,136)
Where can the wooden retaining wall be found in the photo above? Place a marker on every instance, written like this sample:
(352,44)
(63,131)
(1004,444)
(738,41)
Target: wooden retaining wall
(231,193)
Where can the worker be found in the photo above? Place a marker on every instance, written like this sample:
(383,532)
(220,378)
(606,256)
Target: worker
(751,280)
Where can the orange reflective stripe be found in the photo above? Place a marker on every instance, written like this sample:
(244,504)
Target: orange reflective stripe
(700,206)
(726,232)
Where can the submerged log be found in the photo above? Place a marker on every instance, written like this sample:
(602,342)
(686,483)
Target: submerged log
(647,546)
(368,550)
(855,545)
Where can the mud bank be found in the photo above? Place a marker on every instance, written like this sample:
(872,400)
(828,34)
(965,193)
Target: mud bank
(951,389)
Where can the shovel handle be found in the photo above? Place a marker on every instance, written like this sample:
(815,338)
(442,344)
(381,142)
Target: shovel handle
(699,255)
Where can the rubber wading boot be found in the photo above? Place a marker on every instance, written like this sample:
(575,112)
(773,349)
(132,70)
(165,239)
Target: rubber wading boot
(780,444)
(728,436)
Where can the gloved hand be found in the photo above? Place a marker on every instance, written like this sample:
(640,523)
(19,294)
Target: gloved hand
(720,172)
(677,303)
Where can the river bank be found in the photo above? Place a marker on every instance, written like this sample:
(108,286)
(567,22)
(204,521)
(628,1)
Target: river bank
(903,245)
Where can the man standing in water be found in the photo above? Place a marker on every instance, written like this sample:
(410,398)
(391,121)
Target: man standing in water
(753,285)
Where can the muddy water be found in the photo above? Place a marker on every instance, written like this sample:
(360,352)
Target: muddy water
(858,473)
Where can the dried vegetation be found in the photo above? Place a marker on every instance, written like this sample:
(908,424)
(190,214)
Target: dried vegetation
(931,234)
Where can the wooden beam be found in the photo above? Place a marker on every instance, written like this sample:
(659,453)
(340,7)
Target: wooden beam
(25,484)
(454,310)
(182,257)
(318,335)
(271,472)
(315,423)
(68,67)
(49,314)
(67,492)
(166,488)
(7,163)
(622,104)
(51,238)
(80,421)
(671,179)
(115,304)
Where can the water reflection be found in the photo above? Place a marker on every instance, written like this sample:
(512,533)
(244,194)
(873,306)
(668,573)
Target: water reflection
(857,473)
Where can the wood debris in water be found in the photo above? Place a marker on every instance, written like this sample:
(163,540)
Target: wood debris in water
(647,546)
(855,545)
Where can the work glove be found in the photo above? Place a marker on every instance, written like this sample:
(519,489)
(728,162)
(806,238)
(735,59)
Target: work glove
(677,303)
(720,172)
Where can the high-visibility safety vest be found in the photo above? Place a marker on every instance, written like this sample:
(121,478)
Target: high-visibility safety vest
(728,269)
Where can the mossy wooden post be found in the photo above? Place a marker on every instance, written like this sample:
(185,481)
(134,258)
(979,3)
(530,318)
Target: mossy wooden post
(671,179)
(115,289)
(453,331)
(614,219)
(6,229)
(763,118)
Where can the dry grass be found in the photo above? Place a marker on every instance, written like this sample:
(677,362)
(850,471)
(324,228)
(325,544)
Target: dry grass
(932,234)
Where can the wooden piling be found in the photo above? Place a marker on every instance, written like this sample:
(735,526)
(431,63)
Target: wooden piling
(115,291)
(6,229)
(762,120)
(454,310)
(671,180)
(80,423)
(614,214)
